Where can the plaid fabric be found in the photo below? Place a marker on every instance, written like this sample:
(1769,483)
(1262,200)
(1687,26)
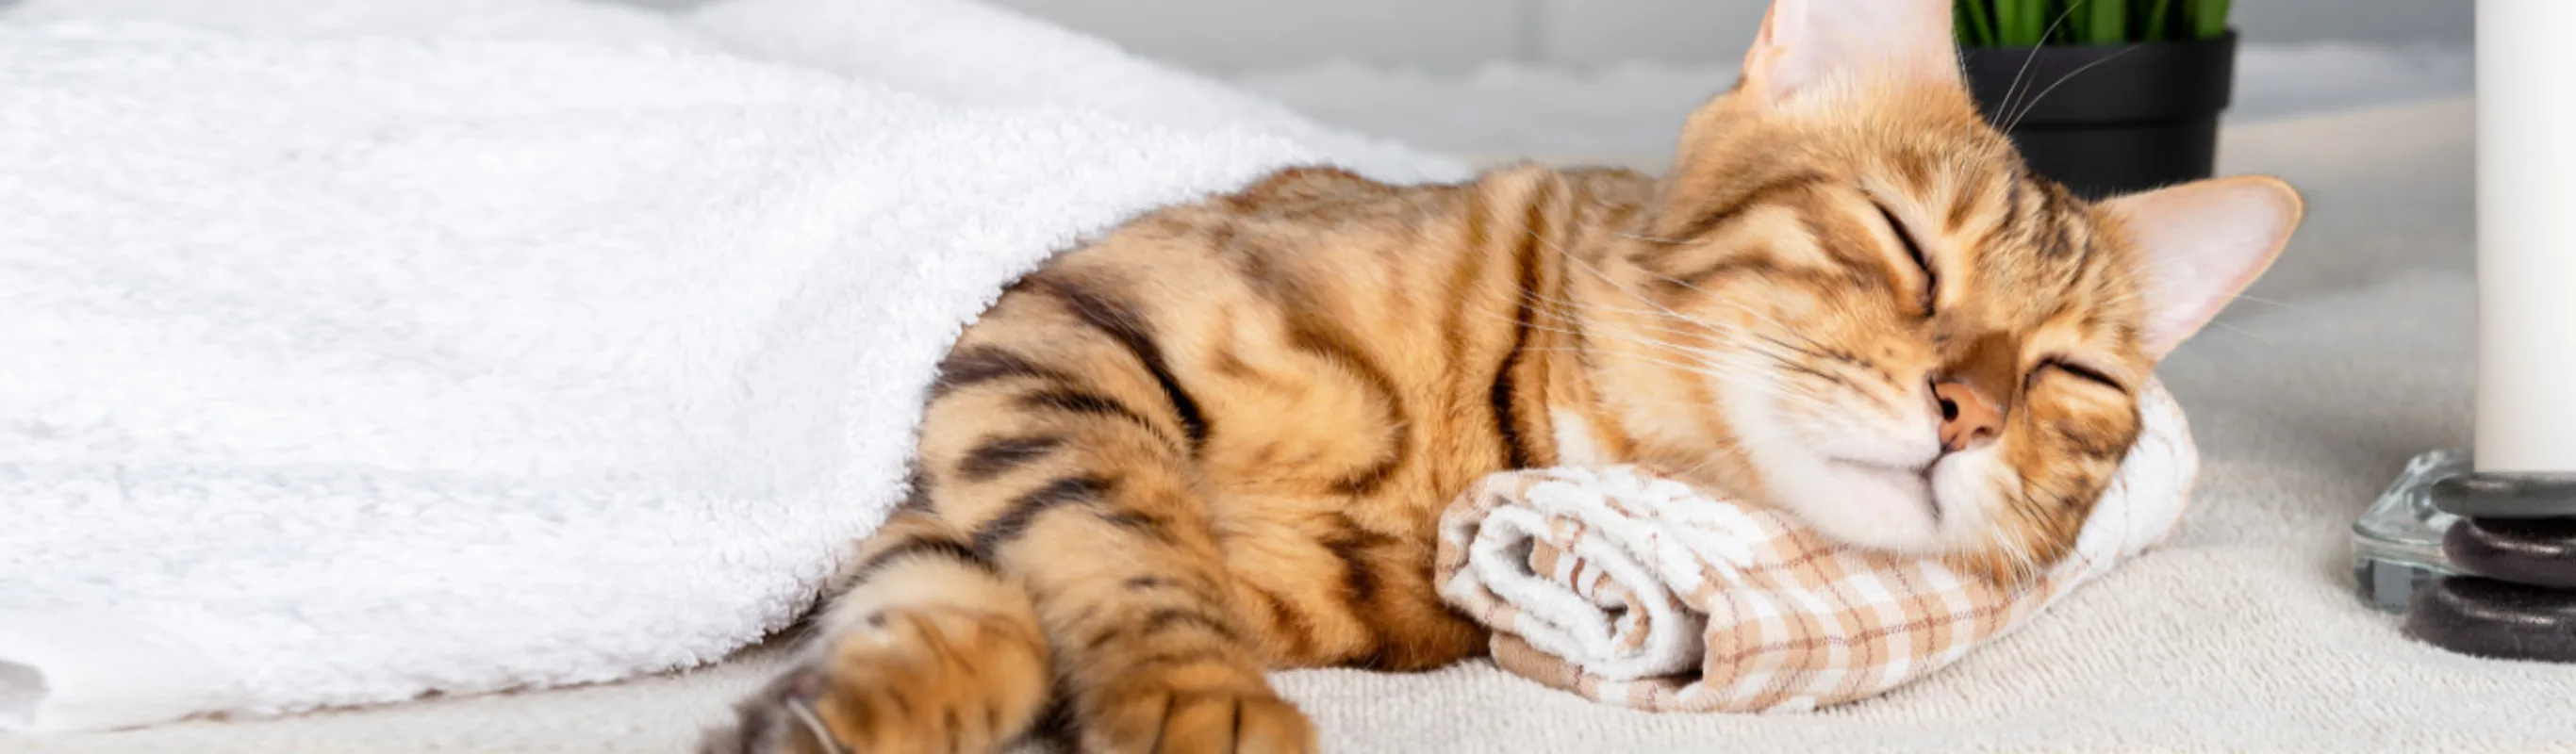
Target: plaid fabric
(1640,591)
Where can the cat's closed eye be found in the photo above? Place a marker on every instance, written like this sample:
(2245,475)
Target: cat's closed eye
(2075,369)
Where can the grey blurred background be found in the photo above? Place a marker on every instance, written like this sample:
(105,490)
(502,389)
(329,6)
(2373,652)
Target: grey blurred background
(1225,36)
(1605,80)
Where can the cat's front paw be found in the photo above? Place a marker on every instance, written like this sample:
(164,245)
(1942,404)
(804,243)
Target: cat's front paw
(777,719)
(1150,717)
(912,682)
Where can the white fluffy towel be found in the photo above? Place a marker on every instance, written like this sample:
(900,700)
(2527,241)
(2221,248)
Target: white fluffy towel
(1634,589)
(346,356)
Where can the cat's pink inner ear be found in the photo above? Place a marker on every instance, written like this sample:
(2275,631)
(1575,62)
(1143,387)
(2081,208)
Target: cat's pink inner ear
(1806,43)
(2200,244)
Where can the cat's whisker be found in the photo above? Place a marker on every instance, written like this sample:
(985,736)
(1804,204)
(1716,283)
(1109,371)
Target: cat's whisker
(2296,308)
(1651,239)
(1743,377)
(1695,364)
(1596,306)
(1784,359)
(1752,382)
(1606,279)
(1814,402)
(1696,327)
(2033,105)
(1740,306)
(1744,447)
(2249,334)
(1713,357)
(1699,362)
(1618,337)
(1613,282)
(2012,92)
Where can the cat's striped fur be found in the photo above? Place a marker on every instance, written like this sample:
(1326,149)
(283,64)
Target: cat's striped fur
(1217,440)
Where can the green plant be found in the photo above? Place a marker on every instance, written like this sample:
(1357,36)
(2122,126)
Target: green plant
(2031,23)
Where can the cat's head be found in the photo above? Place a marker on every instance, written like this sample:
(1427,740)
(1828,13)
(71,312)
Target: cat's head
(1852,291)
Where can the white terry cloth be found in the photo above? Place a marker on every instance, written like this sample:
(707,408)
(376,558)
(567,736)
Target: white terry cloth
(1635,589)
(346,358)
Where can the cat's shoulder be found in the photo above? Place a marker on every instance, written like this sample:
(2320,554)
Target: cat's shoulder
(1306,184)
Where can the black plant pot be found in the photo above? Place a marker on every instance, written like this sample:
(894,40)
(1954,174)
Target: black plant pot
(2109,119)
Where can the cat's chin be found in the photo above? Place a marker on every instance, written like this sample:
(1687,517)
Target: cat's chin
(1905,509)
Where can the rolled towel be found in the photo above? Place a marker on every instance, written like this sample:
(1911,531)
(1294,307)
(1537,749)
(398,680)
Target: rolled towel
(1641,591)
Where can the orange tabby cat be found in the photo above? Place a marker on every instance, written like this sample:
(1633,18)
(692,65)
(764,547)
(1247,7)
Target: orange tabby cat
(1216,441)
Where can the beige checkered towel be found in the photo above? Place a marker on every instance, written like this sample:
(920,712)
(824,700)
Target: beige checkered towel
(1641,591)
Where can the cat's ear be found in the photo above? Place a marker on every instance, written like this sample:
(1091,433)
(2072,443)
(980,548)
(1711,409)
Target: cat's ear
(2200,244)
(1805,43)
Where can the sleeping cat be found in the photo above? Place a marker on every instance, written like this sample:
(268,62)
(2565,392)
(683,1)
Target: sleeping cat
(1216,441)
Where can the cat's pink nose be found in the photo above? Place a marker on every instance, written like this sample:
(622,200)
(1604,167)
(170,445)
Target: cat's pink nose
(1968,417)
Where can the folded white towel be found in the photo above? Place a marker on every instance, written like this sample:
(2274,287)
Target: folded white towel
(1632,589)
(350,358)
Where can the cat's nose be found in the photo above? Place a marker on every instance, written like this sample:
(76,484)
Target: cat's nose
(1968,417)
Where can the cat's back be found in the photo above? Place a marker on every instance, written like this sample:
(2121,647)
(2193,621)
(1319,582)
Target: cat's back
(1328,238)
(1318,273)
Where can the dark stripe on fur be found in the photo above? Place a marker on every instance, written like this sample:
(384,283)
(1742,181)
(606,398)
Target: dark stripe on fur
(1164,619)
(1294,627)
(1526,258)
(1464,281)
(998,456)
(1352,546)
(936,546)
(916,485)
(1507,426)
(2014,190)
(1718,217)
(1122,323)
(1792,366)
(1962,208)
(2056,210)
(1917,168)
(1086,402)
(1176,657)
(1152,526)
(2090,443)
(1847,242)
(1023,510)
(1755,263)
(971,365)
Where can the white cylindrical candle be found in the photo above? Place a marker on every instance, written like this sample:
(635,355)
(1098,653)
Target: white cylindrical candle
(2526,415)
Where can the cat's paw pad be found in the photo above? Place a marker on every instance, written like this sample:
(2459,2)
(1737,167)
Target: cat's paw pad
(1223,720)
(900,683)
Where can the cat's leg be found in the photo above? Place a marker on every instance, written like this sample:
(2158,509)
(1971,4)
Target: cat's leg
(926,649)
(1055,466)
(1064,445)
(1132,594)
